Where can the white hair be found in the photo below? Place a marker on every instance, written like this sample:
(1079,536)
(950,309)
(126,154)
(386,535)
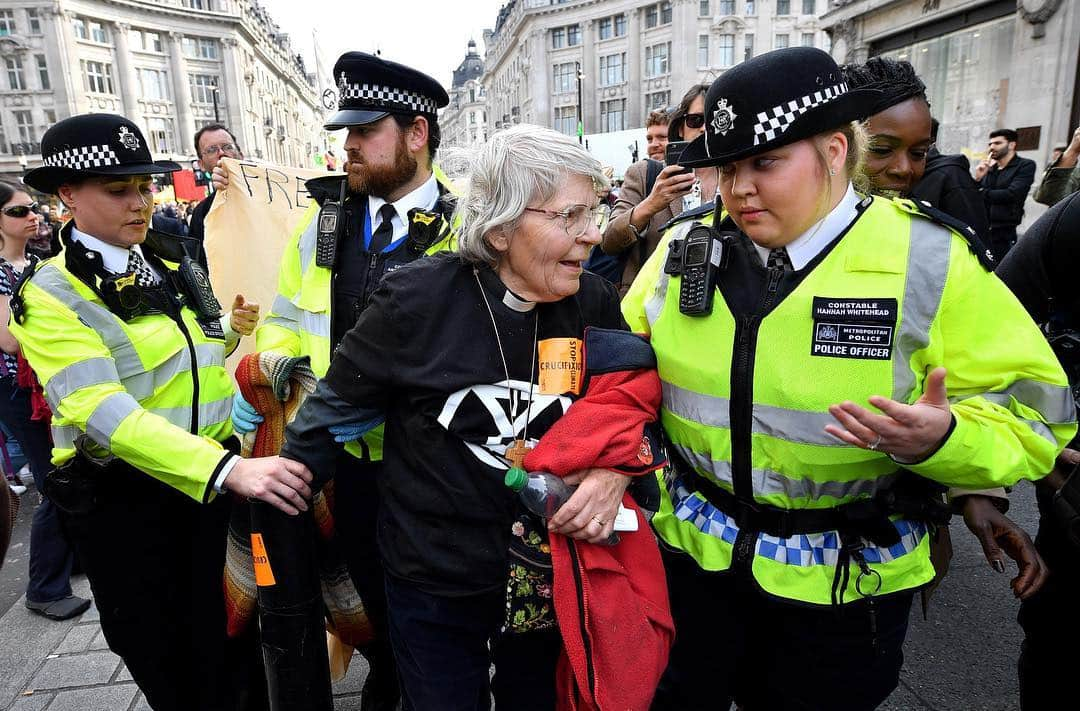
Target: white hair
(517,166)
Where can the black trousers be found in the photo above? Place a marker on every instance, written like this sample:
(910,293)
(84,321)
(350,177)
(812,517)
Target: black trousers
(445,647)
(734,642)
(155,560)
(1051,620)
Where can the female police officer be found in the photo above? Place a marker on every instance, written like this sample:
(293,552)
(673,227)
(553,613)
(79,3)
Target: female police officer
(788,498)
(123,333)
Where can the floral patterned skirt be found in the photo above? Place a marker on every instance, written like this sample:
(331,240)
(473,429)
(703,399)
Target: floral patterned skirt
(529,605)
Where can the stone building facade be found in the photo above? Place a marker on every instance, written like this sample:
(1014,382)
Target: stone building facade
(169,65)
(464,121)
(631,56)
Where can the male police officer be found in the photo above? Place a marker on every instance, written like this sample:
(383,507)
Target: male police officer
(391,208)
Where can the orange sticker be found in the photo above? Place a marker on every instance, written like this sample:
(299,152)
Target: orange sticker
(560,366)
(264,576)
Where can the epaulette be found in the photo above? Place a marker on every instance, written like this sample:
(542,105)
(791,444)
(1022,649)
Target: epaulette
(924,209)
(325,187)
(16,303)
(685,215)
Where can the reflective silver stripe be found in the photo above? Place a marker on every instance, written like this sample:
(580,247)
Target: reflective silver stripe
(210,413)
(799,426)
(928,265)
(83,374)
(285,309)
(144,385)
(307,243)
(767,482)
(64,437)
(107,416)
(280,322)
(655,304)
(1054,402)
(315,324)
(52,281)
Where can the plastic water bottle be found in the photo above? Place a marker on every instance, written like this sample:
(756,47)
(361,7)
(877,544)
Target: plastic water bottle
(543,493)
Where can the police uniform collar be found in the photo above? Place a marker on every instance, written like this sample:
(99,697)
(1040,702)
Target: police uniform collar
(114,258)
(491,282)
(802,250)
(423,197)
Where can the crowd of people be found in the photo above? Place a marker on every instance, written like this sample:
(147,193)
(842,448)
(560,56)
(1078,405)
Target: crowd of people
(795,364)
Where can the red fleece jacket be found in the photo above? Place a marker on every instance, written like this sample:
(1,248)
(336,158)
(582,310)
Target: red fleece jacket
(611,601)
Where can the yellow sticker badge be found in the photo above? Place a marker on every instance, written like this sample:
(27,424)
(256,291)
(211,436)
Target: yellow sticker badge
(560,366)
(264,575)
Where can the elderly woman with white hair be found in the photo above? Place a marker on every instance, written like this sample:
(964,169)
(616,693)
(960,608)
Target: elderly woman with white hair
(467,356)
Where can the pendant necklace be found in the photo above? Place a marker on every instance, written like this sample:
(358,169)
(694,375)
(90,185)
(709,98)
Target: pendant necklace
(517,451)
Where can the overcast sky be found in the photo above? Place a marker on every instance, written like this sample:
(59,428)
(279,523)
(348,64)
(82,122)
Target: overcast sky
(430,35)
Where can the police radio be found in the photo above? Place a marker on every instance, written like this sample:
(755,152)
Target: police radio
(331,221)
(704,255)
(197,287)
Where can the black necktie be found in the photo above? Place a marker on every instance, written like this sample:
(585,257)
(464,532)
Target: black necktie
(385,232)
(778,259)
(144,275)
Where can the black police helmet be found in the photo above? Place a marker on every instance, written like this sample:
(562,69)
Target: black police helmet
(371,87)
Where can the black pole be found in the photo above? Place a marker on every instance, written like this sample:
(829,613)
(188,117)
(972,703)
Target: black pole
(217,119)
(580,121)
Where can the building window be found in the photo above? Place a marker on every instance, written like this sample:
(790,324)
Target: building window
(98,33)
(573,35)
(613,115)
(652,16)
(725,49)
(97,77)
(809,7)
(565,74)
(620,25)
(657,100)
(472,118)
(160,134)
(34,19)
(200,48)
(748,46)
(603,28)
(24,126)
(16,80)
(197,4)
(4,148)
(202,88)
(807,39)
(43,71)
(665,12)
(656,59)
(780,42)
(78,25)
(146,41)
(703,8)
(558,38)
(566,120)
(613,69)
(7,22)
(783,7)
(703,50)
(726,7)
(153,84)
(751,7)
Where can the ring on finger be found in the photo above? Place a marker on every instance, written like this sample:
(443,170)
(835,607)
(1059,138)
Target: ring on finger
(875,444)
(598,520)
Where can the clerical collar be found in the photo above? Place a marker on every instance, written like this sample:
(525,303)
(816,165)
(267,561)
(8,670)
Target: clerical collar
(515,302)
(494,285)
(113,257)
(802,250)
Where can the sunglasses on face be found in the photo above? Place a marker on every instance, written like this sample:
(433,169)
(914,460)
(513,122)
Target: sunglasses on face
(20,210)
(694,120)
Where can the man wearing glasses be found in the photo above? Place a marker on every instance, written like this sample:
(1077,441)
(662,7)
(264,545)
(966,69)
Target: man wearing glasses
(212,143)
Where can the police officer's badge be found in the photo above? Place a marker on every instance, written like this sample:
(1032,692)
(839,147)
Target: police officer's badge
(723,118)
(329,99)
(128,139)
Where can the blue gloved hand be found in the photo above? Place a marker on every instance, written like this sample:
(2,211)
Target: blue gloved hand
(352,431)
(245,418)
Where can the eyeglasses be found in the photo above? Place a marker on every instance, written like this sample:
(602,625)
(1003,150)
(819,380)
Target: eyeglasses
(20,210)
(694,120)
(223,148)
(578,218)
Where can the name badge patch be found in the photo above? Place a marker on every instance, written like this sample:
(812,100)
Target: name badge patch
(853,328)
(211,328)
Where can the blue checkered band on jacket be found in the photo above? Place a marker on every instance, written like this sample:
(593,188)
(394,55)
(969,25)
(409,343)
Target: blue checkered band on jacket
(776,120)
(801,549)
(376,96)
(83,157)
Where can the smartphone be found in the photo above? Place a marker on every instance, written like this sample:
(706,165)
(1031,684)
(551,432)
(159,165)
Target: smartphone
(673,152)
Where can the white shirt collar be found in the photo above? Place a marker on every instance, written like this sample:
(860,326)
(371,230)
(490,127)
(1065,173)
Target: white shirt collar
(424,197)
(802,250)
(113,257)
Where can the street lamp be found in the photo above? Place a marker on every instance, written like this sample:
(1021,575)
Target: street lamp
(580,125)
(22,161)
(214,93)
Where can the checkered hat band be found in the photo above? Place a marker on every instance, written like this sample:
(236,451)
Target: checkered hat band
(386,96)
(776,120)
(83,157)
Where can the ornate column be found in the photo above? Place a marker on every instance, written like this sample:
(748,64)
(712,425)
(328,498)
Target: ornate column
(539,79)
(635,58)
(185,119)
(230,86)
(589,81)
(77,100)
(125,70)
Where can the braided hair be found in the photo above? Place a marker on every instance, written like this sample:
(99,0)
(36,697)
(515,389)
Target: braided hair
(896,80)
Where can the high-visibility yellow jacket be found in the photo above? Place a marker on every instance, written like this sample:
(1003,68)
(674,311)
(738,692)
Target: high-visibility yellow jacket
(893,298)
(150,391)
(300,319)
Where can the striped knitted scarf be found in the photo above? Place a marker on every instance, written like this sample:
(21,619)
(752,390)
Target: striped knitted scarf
(276,386)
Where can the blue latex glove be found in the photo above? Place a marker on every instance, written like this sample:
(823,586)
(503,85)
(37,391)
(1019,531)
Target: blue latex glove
(352,431)
(245,418)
